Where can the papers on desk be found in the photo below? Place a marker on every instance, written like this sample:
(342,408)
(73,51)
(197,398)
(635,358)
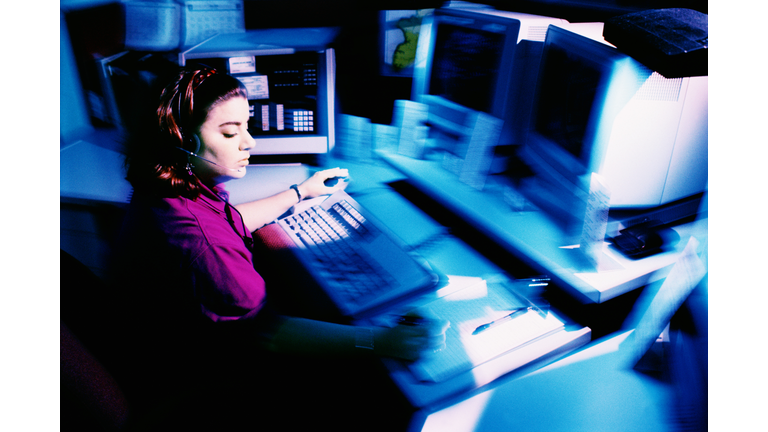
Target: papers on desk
(475,303)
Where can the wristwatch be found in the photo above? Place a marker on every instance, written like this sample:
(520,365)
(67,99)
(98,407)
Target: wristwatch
(364,338)
(296,188)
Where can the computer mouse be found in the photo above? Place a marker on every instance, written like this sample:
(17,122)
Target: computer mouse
(645,239)
(331,182)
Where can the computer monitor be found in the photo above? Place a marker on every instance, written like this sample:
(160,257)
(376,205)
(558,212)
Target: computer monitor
(598,110)
(291,90)
(475,69)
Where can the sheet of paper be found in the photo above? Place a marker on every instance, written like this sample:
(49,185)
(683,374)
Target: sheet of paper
(410,117)
(257,86)
(469,308)
(355,137)
(595,221)
(238,65)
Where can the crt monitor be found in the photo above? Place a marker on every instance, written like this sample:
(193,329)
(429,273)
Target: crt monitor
(475,70)
(290,92)
(597,110)
(480,60)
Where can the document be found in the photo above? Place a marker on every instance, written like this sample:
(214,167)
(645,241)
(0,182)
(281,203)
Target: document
(595,221)
(508,321)
(410,117)
(355,137)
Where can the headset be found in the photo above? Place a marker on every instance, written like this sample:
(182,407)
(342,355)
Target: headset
(192,140)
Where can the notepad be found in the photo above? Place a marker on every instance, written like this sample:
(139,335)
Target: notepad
(470,307)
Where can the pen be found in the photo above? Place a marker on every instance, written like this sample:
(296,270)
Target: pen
(410,320)
(502,320)
(536,281)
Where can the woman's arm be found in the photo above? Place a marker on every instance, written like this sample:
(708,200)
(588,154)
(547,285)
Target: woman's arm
(304,336)
(258,213)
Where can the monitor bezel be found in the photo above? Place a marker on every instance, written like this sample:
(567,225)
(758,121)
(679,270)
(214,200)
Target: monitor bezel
(618,82)
(509,27)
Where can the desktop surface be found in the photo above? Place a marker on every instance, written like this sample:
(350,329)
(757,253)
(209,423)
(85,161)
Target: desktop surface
(536,239)
(586,391)
(91,170)
(630,380)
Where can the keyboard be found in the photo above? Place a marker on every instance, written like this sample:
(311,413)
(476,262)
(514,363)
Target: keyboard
(354,258)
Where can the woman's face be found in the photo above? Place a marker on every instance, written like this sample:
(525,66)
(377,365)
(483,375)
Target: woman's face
(225,141)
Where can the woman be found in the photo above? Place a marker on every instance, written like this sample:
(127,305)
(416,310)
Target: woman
(185,260)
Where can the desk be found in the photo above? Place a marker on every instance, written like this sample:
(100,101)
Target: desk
(91,170)
(534,238)
(445,253)
(588,391)
(93,192)
(599,387)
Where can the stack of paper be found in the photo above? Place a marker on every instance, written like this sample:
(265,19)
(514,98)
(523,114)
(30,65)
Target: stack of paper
(471,307)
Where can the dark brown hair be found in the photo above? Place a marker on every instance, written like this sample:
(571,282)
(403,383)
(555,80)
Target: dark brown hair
(154,159)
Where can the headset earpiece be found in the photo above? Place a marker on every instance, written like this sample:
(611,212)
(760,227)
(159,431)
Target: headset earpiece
(191,142)
(195,140)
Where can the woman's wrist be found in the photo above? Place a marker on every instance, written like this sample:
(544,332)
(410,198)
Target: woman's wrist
(382,344)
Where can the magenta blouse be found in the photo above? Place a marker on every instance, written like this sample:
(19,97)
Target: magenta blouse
(193,301)
(196,249)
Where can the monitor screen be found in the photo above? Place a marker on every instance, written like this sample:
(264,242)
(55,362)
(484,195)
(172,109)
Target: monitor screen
(568,86)
(465,66)
(583,85)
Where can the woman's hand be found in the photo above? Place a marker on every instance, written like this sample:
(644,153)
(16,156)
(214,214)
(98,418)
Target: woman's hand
(314,186)
(424,336)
